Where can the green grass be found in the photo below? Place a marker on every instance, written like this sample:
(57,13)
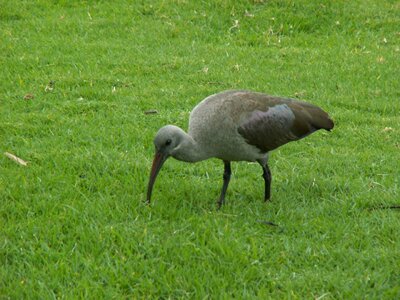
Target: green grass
(73,224)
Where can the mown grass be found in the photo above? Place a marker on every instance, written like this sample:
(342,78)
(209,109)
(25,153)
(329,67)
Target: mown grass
(73,223)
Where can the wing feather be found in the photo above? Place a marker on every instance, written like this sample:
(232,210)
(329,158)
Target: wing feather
(283,122)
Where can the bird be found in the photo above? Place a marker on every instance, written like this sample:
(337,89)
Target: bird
(237,125)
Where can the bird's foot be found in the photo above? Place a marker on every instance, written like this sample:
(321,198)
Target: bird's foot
(267,223)
(220,202)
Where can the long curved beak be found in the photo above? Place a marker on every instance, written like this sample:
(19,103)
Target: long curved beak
(158,161)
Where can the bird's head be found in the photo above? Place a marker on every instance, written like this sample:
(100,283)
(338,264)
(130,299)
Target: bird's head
(166,142)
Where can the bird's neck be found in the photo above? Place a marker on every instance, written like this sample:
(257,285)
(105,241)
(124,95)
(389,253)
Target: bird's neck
(189,150)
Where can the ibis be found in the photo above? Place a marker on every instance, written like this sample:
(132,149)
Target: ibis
(237,125)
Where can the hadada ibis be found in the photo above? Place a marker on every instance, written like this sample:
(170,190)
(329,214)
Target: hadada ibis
(237,126)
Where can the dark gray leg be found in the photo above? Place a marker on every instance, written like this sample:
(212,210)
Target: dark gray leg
(267,179)
(227,177)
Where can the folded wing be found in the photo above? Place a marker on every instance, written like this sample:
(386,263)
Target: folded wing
(283,122)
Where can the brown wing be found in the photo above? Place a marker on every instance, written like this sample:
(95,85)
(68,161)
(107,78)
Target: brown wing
(283,121)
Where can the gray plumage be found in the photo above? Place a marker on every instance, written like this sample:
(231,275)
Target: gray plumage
(238,126)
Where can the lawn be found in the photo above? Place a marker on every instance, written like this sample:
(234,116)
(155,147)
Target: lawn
(73,222)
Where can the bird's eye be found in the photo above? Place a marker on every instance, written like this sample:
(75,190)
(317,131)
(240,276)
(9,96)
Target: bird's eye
(168,142)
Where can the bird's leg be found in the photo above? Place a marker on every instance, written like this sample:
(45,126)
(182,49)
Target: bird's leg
(226,177)
(267,179)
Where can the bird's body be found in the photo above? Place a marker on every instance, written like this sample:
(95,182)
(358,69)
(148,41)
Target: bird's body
(238,126)
(224,140)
